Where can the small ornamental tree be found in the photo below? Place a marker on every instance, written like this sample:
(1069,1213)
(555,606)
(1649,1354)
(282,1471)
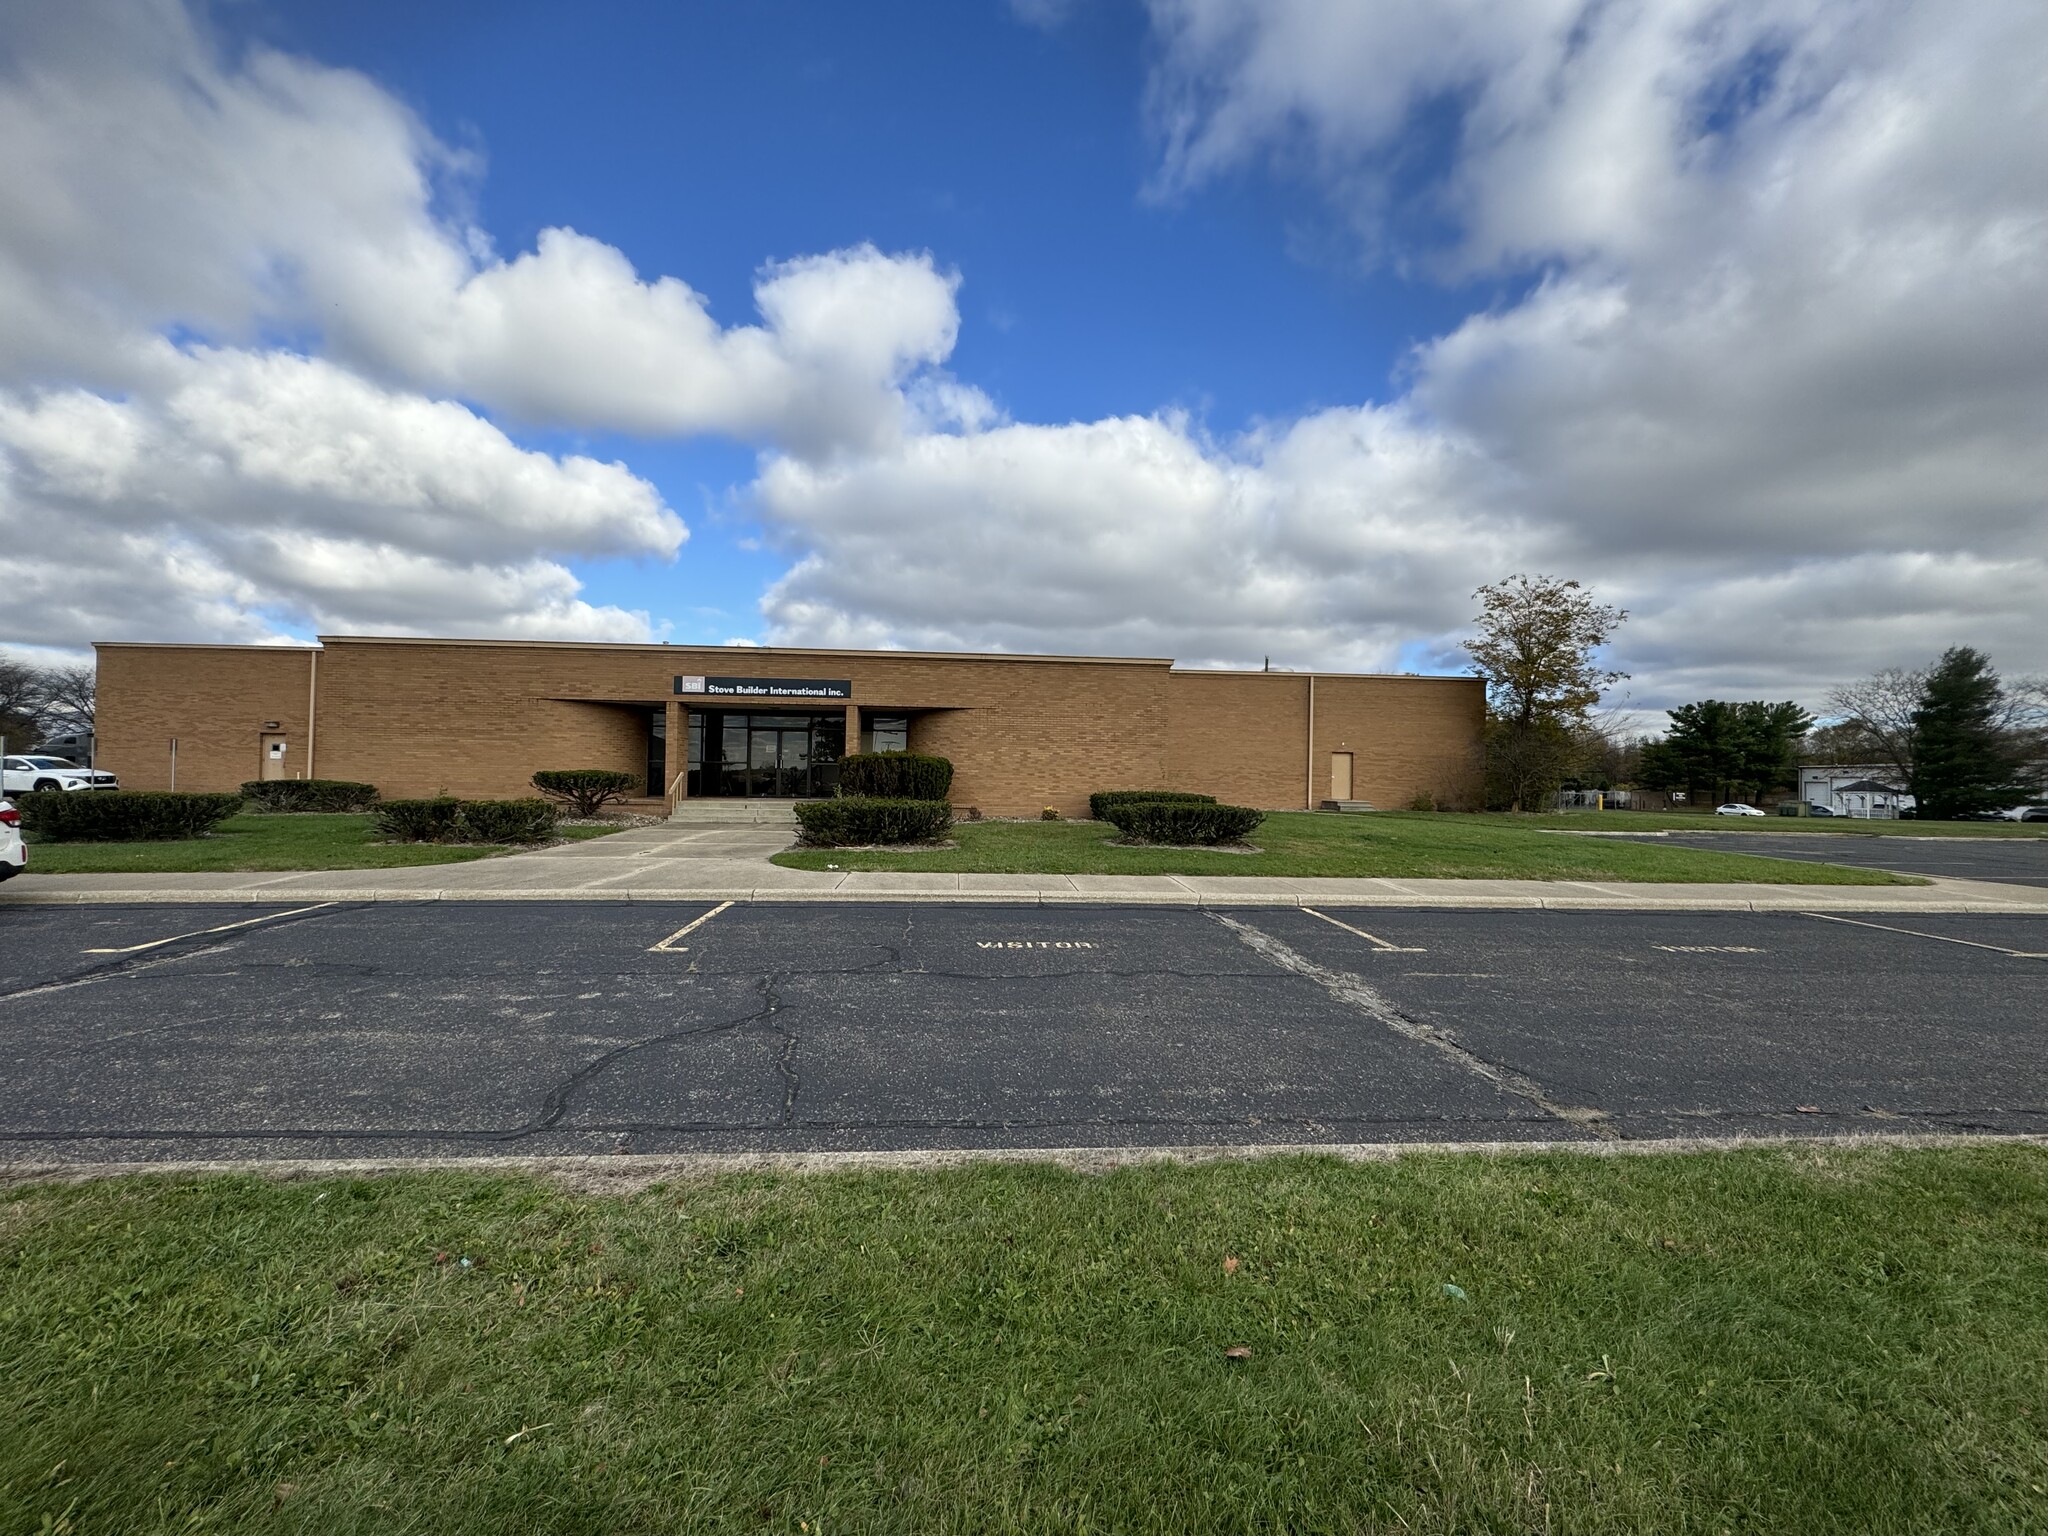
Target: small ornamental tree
(586,790)
(1536,647)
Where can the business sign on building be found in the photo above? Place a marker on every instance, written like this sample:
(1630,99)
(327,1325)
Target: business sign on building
(766,687)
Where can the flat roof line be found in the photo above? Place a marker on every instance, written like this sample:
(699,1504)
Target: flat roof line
(738,651)
(767,652)
(201,645)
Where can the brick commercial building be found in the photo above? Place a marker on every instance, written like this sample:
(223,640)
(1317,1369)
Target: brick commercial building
(478,717)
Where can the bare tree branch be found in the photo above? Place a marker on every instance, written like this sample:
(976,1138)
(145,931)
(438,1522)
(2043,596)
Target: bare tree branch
(1881,708)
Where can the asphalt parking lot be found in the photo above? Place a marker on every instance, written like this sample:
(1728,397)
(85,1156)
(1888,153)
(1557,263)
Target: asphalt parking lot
(2015,861)
(535,1028)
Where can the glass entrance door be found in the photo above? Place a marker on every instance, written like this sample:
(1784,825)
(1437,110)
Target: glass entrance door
(794,758)
(785,757)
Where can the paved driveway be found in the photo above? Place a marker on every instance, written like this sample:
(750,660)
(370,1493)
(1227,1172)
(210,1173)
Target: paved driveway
(470,1028)
(2010,861)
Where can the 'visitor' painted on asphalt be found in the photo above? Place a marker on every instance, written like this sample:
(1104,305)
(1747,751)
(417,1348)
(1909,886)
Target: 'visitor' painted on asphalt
(1033,944)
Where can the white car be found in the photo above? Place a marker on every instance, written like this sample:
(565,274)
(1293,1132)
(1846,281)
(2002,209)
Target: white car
(13,851)
(2035,812)
(1736,808)
(20,775)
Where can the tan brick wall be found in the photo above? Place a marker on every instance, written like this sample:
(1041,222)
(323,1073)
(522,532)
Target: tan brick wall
(1408,736)
(1242,736)
(1238,736)
(477,718)
(213,699)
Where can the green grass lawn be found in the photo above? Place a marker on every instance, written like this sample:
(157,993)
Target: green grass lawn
(1814,1341)
(1418,845)
(308,841)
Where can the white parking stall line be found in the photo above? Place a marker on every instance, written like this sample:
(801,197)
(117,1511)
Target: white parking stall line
(268,917)
(2017,954)
(1377,943)
(669,946)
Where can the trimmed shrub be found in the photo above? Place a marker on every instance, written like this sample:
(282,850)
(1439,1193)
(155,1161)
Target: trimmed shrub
(1100,802)
(448,820)
(279,795)
(419,821)
(586,790)
(1181,822)
(121,815)
(852,820)
(505,821)
(895,776)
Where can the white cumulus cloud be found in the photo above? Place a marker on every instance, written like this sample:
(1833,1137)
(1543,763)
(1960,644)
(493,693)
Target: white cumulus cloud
(1777,380)
(265,487)
(169,469)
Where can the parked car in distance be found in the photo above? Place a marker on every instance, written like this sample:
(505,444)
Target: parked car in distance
(13,851)
(1736,808)
(2034,812)
(21,775)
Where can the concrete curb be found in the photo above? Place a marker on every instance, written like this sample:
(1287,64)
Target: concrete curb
(1709,899)
(627,1172)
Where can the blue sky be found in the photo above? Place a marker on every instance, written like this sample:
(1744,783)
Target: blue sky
(706,139)
(1213,329)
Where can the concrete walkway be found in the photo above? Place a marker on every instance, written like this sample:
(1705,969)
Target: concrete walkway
(730,863)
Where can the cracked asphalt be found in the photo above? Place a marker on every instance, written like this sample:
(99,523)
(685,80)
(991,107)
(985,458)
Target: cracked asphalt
(341,1030)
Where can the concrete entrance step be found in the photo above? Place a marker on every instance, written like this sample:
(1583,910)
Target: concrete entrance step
(734,813)
(1345,805)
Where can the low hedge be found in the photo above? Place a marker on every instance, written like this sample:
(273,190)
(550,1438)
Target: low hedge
(1182,823)
(1100,802)
(445,819)
(121,815)
(531,820)
(276,795)
(586,790)
(853,820)
(895,776)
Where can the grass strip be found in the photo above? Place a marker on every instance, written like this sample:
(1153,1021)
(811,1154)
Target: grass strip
(267,842)
(1412,845)
(1812,1339)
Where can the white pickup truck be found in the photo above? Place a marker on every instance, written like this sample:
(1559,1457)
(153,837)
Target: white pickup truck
(20,775)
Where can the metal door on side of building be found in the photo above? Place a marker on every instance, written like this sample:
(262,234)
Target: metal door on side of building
(273,757)
(1340,775)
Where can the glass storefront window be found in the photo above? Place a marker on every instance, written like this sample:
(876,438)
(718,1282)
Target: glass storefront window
(764,756)
(885,733)
(657,753)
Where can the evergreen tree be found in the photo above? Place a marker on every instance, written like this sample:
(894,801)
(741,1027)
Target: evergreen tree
(1964,760)
(1733,749)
